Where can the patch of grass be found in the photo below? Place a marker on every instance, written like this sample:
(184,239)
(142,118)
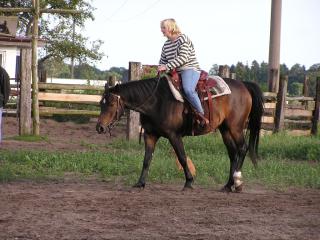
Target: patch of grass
(285,161)
(283,146)
(30,138)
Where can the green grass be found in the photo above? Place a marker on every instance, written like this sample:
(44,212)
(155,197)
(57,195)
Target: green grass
(30,138)
(285,161)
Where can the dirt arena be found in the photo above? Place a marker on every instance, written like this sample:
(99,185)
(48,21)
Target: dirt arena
(75,209)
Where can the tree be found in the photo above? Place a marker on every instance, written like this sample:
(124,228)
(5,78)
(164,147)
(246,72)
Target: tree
(241,71)
(254,71)
(284,70)
(296,74)
(57,30)
(57,69)
(263,76)
(214,70)
(296,89)
(313,73)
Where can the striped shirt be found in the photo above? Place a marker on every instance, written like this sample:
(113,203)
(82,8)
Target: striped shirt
(179,54)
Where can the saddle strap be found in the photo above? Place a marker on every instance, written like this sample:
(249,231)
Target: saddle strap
(210,105)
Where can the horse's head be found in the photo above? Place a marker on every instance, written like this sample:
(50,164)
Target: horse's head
(111,109)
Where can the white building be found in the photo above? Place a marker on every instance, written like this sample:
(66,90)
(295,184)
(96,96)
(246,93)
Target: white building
(8,59)
(9,51)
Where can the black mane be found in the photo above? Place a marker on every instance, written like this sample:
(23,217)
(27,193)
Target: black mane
(138,91)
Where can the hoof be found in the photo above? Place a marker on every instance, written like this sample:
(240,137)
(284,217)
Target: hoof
(139,185)
(187,188)
(226,189)
(188,185)
(238,189)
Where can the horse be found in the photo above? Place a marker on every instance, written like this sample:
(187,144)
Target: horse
(237,116)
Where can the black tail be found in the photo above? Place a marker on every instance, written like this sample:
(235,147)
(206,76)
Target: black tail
(255,118)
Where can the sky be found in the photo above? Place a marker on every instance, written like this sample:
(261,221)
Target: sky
(222,31)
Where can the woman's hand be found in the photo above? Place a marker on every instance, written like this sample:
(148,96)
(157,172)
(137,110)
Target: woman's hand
(162,68)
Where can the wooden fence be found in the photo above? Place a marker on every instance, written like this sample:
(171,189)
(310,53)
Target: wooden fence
(297,114)
(68,93)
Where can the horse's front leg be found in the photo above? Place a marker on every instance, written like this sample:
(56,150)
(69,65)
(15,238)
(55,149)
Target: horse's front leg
(177,144)
(150,141)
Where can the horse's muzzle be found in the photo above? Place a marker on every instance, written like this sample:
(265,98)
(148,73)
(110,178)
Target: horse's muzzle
(100,128)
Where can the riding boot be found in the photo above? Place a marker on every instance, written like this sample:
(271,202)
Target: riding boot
(202,120)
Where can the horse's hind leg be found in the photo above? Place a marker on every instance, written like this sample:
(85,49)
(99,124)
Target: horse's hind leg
(242,151)
(232,152)
(150,141)
(240,147)
(177,144)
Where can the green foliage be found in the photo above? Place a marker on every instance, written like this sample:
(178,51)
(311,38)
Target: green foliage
(313,73)
(149,71)
(61,41)
(214,70)
(296,75)
(259,73)
(296,89)
(59,69)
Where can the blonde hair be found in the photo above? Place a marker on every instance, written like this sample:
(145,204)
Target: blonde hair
(171,25)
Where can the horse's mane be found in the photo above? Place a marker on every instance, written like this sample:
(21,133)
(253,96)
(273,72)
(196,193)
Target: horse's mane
(139,90)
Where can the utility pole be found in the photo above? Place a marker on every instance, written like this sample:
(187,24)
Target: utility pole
(274,46)
(36,12)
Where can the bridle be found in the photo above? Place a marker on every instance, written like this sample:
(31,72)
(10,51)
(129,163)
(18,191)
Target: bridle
(119,110)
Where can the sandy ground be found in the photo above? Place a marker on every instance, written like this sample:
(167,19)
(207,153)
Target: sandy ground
(90,209)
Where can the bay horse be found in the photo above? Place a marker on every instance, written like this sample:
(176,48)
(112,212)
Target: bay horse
(237,116)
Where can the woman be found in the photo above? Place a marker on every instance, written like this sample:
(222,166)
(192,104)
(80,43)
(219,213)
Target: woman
(178,52)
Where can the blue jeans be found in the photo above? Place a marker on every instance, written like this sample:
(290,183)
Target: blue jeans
(190,78)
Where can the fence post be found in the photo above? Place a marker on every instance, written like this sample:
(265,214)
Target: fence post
(25,121)
(315,119)
(305,90)
(133,120)
(224,71)
(112,81)
(280,106)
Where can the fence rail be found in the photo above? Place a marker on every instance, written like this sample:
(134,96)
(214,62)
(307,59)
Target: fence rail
(297,113)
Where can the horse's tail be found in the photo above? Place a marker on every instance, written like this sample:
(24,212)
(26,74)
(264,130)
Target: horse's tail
(255,118)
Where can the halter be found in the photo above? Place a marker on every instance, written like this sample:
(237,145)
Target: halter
(120,108)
